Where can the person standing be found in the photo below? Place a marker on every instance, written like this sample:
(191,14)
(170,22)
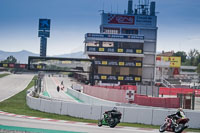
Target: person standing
(58,88)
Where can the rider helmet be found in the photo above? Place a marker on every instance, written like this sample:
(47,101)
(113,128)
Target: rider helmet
(115,108)
(179,110)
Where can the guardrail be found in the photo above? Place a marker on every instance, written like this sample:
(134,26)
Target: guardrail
(137,114)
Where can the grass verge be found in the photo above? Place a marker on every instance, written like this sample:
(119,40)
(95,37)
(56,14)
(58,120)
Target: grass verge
(17,105)
(4,74)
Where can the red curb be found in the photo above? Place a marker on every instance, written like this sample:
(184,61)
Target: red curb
(71,122)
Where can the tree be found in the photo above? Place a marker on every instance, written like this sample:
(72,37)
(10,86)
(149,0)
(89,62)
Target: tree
(197,60)
(182,54)
(192,55)
(198,68)
(10,59)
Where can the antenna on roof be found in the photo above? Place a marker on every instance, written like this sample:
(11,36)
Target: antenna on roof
(143,7)
(103,6)
(117,6)
(152,8)
(130,7)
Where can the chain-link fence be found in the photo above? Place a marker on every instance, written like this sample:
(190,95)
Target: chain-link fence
(148,90)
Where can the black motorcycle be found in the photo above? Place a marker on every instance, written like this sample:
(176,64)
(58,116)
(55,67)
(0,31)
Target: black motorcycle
(110,118)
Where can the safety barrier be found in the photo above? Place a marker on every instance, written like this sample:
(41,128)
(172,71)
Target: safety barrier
(157,102)
(121,87)
(90,99)
(143,115)
(175,91)
(119,95)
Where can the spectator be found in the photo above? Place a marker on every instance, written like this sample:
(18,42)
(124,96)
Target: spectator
(58,88)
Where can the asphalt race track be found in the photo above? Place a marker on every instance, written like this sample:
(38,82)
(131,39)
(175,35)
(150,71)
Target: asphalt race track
(68,126)
(51,84)
(13,84)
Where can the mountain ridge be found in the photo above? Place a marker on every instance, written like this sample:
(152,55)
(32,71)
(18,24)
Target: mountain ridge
(22,56)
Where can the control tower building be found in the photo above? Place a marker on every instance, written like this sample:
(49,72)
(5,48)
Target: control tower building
(125,49)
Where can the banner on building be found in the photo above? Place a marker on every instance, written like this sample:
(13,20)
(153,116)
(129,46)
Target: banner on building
(172,61)
(133,20)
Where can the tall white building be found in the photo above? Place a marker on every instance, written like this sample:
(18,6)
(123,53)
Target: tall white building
(125,49)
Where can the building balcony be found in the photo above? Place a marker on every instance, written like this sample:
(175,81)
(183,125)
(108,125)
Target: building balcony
(112,51)
(114,37)
(127,78)
(137,64)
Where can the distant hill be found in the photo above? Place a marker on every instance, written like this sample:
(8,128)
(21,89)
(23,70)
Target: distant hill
(79,54)
(22,56)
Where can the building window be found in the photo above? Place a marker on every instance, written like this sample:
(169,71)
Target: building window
(129,45)
(108,44)
(124,71)
(111,30)
(104,70)
(93,44)
(129,31)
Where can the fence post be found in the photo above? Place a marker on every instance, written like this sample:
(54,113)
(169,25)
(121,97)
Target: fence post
(181,99)
(146,91)
(193,100)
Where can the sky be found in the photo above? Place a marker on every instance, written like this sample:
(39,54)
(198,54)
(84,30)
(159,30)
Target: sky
(178,23)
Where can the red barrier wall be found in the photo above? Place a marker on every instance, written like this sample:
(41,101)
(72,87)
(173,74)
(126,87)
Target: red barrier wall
(174,91)
(157,102)
(118,94)
(121,87)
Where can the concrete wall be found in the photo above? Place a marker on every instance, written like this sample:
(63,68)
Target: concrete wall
(147,73)
(105,93)
(153,116)
(90,99)
(149,47)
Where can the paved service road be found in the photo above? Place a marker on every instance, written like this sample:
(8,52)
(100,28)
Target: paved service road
(51,84)
(68,126)
(13,84)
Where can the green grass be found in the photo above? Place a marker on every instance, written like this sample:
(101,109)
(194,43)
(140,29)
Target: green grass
(17,105)
(4,74)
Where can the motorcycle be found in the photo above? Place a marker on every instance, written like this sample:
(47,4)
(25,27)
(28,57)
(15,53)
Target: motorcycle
(172,125)
(110,118)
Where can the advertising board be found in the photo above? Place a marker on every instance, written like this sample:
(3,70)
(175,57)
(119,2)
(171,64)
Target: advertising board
(171,60)
(123,19)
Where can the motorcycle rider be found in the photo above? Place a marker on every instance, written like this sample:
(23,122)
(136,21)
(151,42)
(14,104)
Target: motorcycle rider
(113,110)
(110,118)
(180,114)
